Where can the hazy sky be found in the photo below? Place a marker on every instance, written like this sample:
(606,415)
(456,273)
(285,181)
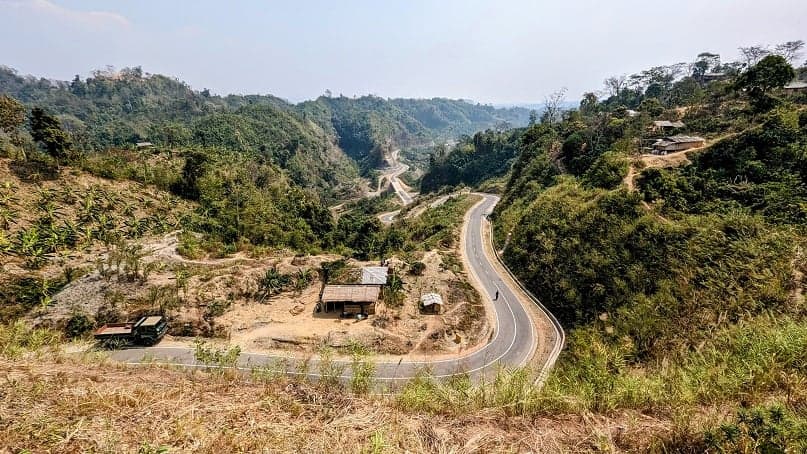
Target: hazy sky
(489,51)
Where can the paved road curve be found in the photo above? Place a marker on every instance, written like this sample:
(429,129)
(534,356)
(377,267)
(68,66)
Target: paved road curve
(512,343)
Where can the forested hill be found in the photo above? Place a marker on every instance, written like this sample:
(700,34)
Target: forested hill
(679,277)
(119,108)
(371,123)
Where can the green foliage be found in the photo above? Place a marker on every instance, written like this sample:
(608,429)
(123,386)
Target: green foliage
(218,358)
(761,429)
(46,130)
(417,268)
(78,325)
(761,171)
(12,114)
(607,172)
(771,72)
(485,155)
(19,338)
(19,295)
(362,370)
(273,282)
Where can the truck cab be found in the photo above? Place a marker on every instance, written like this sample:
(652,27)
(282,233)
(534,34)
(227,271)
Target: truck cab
(146,331)
(149,330)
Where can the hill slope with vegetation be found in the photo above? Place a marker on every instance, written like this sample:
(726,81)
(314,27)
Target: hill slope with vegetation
(688,288)
(120,108)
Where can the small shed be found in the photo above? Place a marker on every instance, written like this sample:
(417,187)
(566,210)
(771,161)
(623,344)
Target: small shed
(797,86)
(677,143)
(663,125)
(144,145)
(356,299)
(431,302)
(374,275)
(710,77)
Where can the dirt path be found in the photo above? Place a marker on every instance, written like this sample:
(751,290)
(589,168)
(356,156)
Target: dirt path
(166,249)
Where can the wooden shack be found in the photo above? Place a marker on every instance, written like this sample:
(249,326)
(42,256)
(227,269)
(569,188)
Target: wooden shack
(353,299)
(677,143)
(666,125)
(431,303)
(795,87)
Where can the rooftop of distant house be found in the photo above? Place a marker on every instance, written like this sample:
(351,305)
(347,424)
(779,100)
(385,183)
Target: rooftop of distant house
(796,85)
(350,293)
(668,124)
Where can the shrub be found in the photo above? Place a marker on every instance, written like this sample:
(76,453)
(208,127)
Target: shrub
(417,268)
(78,325)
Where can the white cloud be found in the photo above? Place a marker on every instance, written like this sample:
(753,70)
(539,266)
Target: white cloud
(83,18)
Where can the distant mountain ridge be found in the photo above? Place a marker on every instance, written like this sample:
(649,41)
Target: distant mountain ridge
(117,109)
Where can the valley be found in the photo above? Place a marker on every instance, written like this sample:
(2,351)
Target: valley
(187,271)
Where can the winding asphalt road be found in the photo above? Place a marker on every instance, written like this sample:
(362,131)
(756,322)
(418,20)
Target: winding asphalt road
(512,343)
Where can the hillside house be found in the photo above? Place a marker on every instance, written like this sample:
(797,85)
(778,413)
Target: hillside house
(352,299)
(666,125)
(677,143)
(797,86)
(711,77)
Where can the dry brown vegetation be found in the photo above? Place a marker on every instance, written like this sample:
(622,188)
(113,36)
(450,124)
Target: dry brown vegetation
(61,405)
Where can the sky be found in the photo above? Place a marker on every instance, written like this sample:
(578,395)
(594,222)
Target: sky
(501,52)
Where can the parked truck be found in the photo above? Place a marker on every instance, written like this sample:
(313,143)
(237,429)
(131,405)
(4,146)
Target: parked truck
(146,331)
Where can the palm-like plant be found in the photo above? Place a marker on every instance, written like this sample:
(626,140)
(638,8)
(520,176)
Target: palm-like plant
(7,191)
(303,278)
(272,282)
(7,217)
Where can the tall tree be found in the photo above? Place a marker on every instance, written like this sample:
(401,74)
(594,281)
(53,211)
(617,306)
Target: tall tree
(771,72)
(753,54)
(615,84)
(791,50)
(46,130)
(553,106)
(12,114)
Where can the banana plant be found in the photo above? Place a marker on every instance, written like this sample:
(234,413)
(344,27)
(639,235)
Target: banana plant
(7,191)
(7,217)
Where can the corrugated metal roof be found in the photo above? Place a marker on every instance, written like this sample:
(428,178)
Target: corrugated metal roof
(374,275)
(668,124)
(431,298)
(796,85)
(684,139)
(350,293)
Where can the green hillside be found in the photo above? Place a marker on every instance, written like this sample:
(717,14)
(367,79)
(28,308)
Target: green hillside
(679,276)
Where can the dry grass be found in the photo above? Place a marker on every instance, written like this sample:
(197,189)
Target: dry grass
(62,405)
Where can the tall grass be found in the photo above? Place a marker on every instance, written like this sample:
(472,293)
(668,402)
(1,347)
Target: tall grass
(745,362)
(18,338)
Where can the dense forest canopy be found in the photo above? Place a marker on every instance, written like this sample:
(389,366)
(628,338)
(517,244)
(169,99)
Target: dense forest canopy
(120,108)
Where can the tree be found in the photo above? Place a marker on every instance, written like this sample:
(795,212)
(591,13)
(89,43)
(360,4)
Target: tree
(553,105)
(533,117)
(47,130)
(652,107)
(790,50)
(588,105)
(192,171)
(12,114)
(615,84)
(771,72)
(705,62)
(753,54)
